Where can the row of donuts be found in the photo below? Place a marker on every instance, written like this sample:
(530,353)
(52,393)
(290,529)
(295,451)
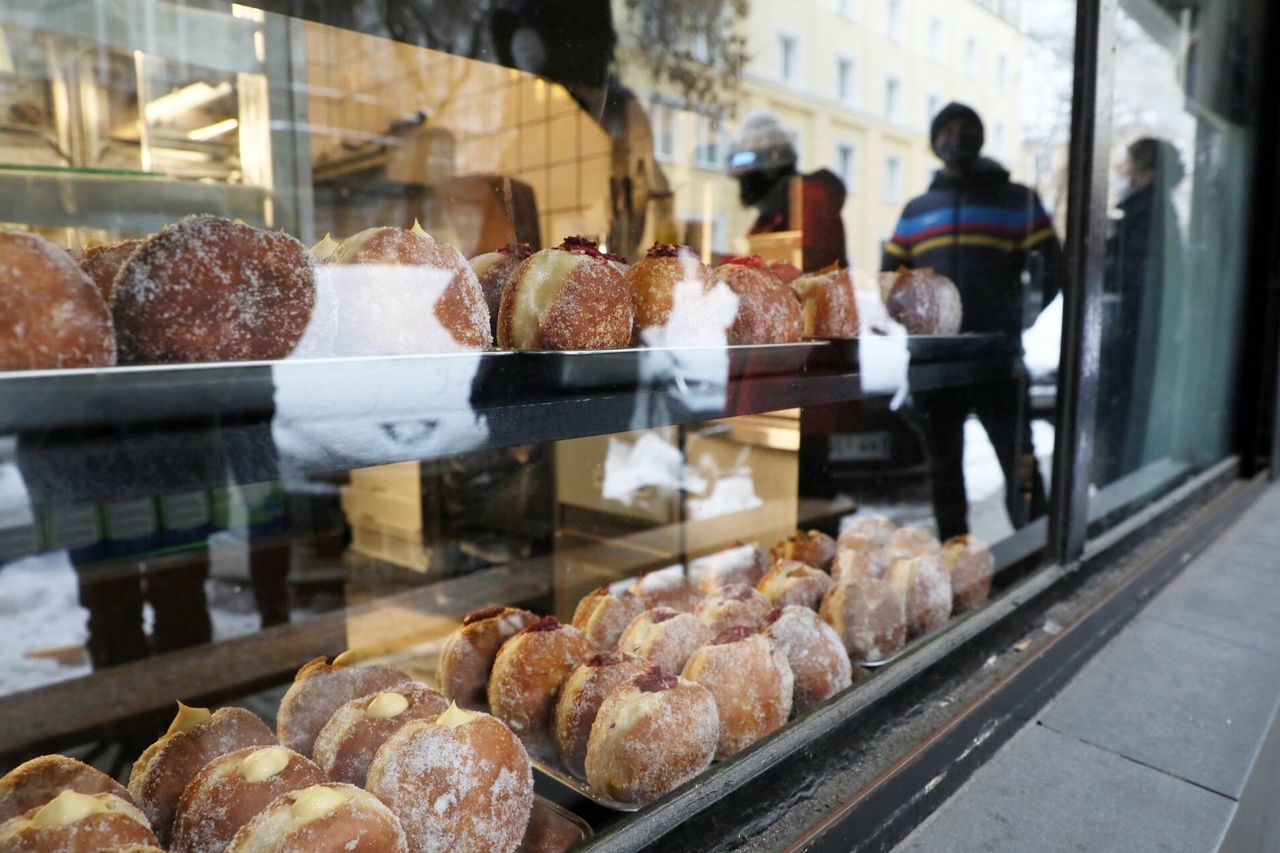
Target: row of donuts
(209,289)
(363,759)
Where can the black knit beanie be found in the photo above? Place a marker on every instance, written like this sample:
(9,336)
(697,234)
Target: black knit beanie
(951,112)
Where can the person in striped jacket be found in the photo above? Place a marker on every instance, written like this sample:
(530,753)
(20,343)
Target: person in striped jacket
(993,238)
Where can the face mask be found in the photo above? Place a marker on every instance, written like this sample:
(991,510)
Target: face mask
(959,150)
(752,187)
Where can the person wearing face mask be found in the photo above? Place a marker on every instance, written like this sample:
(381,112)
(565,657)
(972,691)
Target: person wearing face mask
(993,238)
(763,159)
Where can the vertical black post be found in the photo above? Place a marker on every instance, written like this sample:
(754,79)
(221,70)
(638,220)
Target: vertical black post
(1082,301)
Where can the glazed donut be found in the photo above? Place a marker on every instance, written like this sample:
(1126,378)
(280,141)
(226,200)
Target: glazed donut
(653,280)
(36,782)
(878,528)
(666,589)
(102,264)
(209,289)
(665,637)
(738,604)
(602,615)
(195,738)
(813,548)
(319,689)
(405,265)
(793,582)
(527,676)
(741,564)
(971,566)
(328,817)
(231,790)
(652,734)
(817,657)
(768,311)
(925,302)
(347,743)
(51,315)
(461,783)
(466,657)
(869,614)
(925,586)
(566,298)
(828,304)
(580,700)
(494,270)
(752,684)
(73,822)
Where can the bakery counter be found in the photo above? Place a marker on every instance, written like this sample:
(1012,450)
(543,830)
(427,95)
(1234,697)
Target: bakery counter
(110,433)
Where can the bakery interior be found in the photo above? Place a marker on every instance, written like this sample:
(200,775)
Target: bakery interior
(362,497)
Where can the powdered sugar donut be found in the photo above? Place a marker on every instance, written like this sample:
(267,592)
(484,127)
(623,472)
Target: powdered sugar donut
(392,259)
(580,701)
(319,689)
(666,589)
(740,564)
(347,743)
(872,525)
(461,783)
(36,782)
(652,282)
(103,263)
(857,554)
(971,566)
(527,676)
(209,289)
(792,582)
(732,606)
(566,298)
(76,823)
(813,548)
(828,304)
(494,270)
(817,657)
(602,615)
(231,790)
(329,817)
(466,657)
(652,734)
(784,271)
(869,614)
(195,738)
(768,311)
(665,637)
(925,302)
(51,315)
(925,586)
(752,684)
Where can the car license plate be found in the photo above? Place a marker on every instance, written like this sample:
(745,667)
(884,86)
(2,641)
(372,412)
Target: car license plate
(859,446)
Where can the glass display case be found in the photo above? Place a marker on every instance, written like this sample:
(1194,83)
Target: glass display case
(677,383)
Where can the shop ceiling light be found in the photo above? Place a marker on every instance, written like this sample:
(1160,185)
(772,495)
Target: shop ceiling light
(201,134)
(185,99)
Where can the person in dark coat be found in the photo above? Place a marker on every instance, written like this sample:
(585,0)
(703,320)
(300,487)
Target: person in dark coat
(993,238)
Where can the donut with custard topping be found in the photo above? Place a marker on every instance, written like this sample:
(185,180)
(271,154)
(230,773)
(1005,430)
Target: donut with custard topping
(653,733)
(467,654)
(73,822)
(347,743)
(752,684)
(568,298)
(325,817)
(34,783)
(580,701)
(319,689)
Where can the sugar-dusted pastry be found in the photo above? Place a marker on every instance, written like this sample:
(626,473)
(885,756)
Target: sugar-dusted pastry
(768,310)
(103,263)
(580,700)
(873,525)
(328,818)
(231,790)
(652,733)
(665,637)
(667,589)
(466,657)
(925,586)
(494,270)
(829,307)
(460,783)
(869,614)
(527,676)
(195,738)
(36,782)
(735,605)
(811,547)
(815,652)
(347,743)
(76,823)
(925,302)
(971,566)
(752,684)
(602,615)
(654,279)
(317,691)
(740,564)
(858,554)
(792,582)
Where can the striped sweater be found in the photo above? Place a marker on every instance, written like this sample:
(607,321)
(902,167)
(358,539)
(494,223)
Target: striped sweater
(983,232)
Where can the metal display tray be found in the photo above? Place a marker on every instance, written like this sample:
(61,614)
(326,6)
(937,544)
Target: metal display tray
(926,349)
(553,829)
(563,777)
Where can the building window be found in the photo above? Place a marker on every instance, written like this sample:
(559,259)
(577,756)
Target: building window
(971,56)
(847,165)
(1002,72)
(892,96)
(788,57)
(893,179)
(845,80)
(932,105)
(709,149)
(936,49)
(897,19)
(662,116)
(848,8)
